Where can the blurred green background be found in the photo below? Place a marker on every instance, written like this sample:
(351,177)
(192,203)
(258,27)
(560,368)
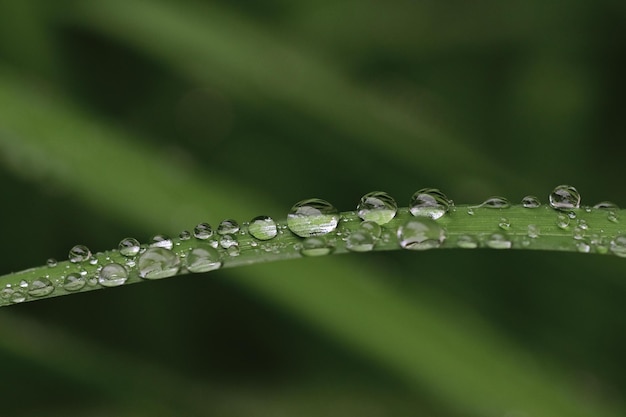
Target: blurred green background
(136,117)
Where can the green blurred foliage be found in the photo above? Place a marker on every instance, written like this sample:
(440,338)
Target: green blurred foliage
(204,110)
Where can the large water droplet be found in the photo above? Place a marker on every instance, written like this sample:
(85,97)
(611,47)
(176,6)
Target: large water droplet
(316,246)
(618,246)
(113,275)
(378,207)
(530,201)
(129,247)
(263,228)
(565,197)
(421,233)
(203,260)
(429,202)
(228,227)
(79,253)
(40,287)
(312,217)
(203,231)
(496,203)
(161,241)
(360,241)
(498,241)
(156,263)
(73,282)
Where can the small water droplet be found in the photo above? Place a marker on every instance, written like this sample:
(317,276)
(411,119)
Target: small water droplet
(429,202)
(161,241)
(203,260)
(618,246)
(228,241)
(316,246)
(606,205)
(184,235)
(233,250)
(504,223)
(51,262)
(79,253)
(73,282)
(156,263)
(372,228)
(562,221)
(612,217)
(378,207)
(113,275)
(498,241)
(583,247)
(228,227)
(23,283)
(421,233)
(571,215)
(129,247)
(40,287)
(533,231)
(582,223)
(564,197)
(263,228)
(17,296)
(467,242)
(312,217)
(496,203)
(204,231)
(530,201)
(578,233)
(360,241)
(470,211)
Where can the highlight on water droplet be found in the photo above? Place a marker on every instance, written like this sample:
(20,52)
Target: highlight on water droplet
(263,228)
(203,260)
(564,197)
(530,201)
(618,246)
(79,253)
(429,202)
(316,246)
(129,247)
(161,241)
(496,202)
(378,207)
(74,282)
(203,231)
(421,233)
(312,217)
(157,263)
(113,275)
(360,241)
(372,228)
(40,287)
(498,240)
(228,227)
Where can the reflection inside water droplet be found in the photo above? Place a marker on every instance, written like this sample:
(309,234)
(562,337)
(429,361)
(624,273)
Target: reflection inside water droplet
(421,233)
(378,207)
(312,217)
(429,202)
(564,197)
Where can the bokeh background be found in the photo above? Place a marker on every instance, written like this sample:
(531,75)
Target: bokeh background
(135,117)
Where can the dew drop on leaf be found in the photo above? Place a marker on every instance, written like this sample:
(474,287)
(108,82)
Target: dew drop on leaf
(565,197)
(263,228)
(203,260)
(496,203)
(360,241)
(421,233)
(73,282)
(316,246)
(79,253)
(372,228)
(40,287)
(378,207)
(312,217)
(161,241)
(228,227)
(203,231)
(618,246)
(129,247)
(530,201)
(429,202)
(113,275)
(498,241)
(156,263)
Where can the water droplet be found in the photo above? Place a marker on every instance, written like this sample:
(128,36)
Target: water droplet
(606,205)
(233,250)
(113,275)
(316,246)
(161,241)
(203,231)
(360,241)
(372,228)
(378,207)
(40,287)
(498,241)
(571,215)
(73,282)
(263,228)
(618,246)
(530,201)
(583,247)
(203,260)
(228,227)
(228,241)
(312,217)
(582,223)
(533,231)
(467,242)
(23,283)
(578,233)
(184,235)
(156,263)
(129,247)
(496,203)
(612,217)
(421,233)
(17,296)
(562,221)
(429,202)
(51,262)
(504,224)
(565,197)
(79,253)
(470,211)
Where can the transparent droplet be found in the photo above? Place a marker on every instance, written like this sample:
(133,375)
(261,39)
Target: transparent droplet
(504,223)
(156,263)
(496,203)
(530,201)
(161,241)
(606,205)
(421,233)
(184,235)
(228,241)
(40,287)
(79,253)
(263,228)
(578,233)
(498,241)
(360,241)
(618,246)
(73,282)
(312,217)
(565,197)
(372,228)
(533,231)
(467,242)
(17,296)
(129,247)
(228,227)
(316,246)
(51,262)
(612,217)
(562,221)
(582,223)
(378,207)
(203,231)
(23,283)
(583,247)
(429,202)
(203,260)
(113,275)
(233,250)
(470,211)
(571,215)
